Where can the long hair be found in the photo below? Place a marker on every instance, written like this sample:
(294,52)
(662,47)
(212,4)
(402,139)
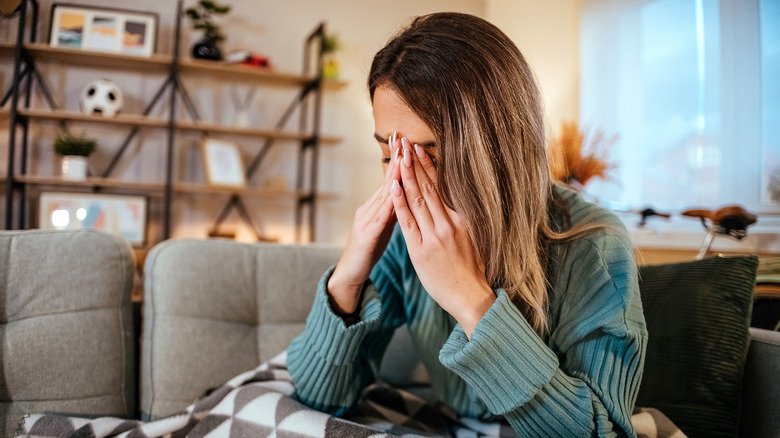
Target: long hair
(471,86)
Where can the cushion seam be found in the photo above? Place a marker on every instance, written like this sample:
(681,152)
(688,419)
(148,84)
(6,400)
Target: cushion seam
(64,312)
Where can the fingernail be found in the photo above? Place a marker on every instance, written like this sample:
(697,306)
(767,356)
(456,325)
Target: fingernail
(418,150)
(395,137)
(407,152)
(396,188)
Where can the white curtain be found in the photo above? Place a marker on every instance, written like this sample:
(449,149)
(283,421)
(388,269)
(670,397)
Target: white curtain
(691,88)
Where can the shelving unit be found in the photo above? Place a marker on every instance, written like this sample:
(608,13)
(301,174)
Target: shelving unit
(27,53)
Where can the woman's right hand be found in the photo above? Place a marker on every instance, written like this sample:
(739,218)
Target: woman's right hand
(371,230)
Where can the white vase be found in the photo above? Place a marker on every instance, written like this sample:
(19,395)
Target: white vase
(74,167)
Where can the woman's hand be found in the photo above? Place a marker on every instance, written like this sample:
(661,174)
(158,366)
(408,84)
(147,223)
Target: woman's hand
(371,230)
(439,245)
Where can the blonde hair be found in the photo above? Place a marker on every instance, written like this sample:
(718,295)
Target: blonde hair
(472,87)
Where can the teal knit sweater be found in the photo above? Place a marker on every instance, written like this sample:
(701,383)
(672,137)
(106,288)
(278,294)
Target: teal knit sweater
(580,380)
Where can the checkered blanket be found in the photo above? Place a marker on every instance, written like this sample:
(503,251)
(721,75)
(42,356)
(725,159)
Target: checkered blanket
(260,403)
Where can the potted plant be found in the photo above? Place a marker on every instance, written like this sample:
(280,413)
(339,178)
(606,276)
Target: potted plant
(74,151)
(202,16)
(330,65)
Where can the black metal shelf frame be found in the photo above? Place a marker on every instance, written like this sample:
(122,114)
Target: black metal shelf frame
(308,100)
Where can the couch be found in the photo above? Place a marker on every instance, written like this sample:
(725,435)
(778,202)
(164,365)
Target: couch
(212,309)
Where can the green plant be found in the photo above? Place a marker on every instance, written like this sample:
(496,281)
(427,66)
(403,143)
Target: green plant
(67,144)
(202,16)
(330,43)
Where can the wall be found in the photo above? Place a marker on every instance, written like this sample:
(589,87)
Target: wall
(547,33)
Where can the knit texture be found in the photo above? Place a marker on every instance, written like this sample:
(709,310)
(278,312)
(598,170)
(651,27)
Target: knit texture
(580,380)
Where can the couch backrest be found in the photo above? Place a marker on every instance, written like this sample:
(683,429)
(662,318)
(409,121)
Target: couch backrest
(66,328)
(760,386)
(214,309)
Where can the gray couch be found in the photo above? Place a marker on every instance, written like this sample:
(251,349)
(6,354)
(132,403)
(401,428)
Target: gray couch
(212,309)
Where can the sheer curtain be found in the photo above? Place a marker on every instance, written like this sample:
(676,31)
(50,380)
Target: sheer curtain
(691,87)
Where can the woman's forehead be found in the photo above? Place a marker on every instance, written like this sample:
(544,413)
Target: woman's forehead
(391,113)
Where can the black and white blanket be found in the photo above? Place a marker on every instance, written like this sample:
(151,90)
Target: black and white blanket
(260,403)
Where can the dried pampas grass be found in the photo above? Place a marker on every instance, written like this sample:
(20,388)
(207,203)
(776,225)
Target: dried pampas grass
(577,157)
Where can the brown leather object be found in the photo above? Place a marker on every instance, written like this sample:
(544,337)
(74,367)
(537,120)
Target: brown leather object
(730,216)
(9,7)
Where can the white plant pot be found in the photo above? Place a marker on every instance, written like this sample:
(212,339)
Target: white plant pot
(74,167)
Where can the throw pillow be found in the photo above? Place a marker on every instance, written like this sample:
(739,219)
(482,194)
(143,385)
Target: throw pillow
(697,315)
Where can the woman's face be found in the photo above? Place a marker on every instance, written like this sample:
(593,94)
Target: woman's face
(392,114)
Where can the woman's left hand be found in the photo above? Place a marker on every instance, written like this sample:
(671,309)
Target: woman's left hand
(439,245)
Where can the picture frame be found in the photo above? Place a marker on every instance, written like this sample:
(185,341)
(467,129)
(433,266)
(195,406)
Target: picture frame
(123,215)
(223,163)
(113,30)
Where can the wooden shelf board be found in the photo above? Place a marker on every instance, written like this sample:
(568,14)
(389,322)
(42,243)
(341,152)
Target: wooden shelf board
(70,116)
(91,182)
(208,127)
(248,73)
(6,50)
(240,72)
(160,63)
(153,122)
(90,58)
(158,188)
(333,85)
(197,188)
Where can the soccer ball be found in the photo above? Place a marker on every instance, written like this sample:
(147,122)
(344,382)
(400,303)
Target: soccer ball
(101,97)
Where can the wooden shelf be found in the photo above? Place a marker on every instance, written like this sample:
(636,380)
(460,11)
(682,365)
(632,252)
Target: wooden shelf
(217,128)
(153,122)
(161,63)
(248,73)
(93,59)
(202,189)
(91,182)
(156,189)
(70,116)
(241,72)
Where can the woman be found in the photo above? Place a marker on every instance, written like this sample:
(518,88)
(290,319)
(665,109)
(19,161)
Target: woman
(520,296)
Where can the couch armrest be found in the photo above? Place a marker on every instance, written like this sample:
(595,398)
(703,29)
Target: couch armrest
(761,387)
(215,308)
(66,330)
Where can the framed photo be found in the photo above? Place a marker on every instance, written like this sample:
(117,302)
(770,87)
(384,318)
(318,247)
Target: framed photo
(103,29)
(125,216)
(223,163)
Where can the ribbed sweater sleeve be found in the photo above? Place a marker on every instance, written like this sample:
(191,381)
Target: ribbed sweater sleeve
(330,362)
(591,389)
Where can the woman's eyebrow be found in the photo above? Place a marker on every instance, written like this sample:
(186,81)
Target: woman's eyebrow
(381,139)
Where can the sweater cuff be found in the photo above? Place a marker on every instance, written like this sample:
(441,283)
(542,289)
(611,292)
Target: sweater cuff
(505,362)
(326,333)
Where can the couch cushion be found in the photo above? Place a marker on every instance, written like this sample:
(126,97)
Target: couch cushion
(697,316)
(66,329)
(216,308)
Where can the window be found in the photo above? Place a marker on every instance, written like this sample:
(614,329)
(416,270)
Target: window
(692,89)
(770,98)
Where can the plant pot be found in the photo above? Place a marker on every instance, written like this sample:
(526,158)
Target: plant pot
(74,167)
(330,68)
(206,49)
